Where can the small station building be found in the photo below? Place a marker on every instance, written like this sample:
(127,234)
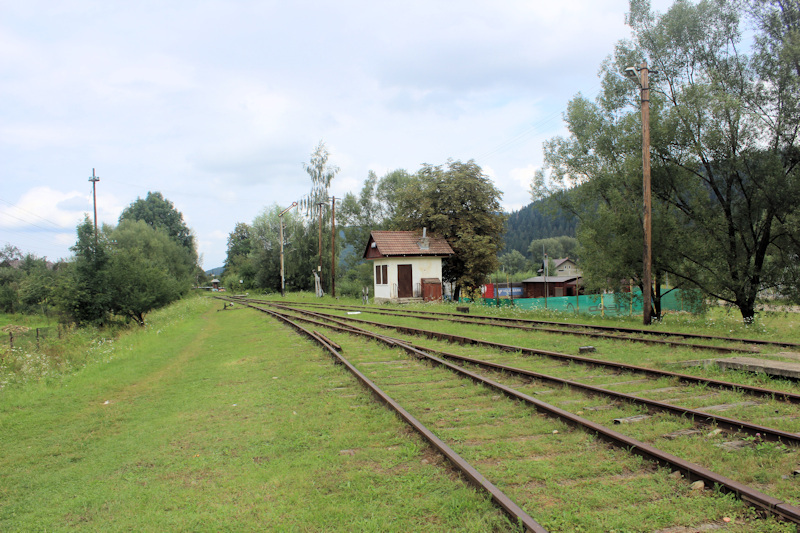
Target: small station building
(407,265)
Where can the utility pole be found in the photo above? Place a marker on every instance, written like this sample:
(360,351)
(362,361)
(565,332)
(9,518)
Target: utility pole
(280,217)
(333,247)
(319,265)
(544,272)
(641,75)
(94,179)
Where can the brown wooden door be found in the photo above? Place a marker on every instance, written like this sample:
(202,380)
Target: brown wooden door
(405,285)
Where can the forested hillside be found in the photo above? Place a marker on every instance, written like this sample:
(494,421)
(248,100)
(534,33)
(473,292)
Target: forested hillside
(536,221)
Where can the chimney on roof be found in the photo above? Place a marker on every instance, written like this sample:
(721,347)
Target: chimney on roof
(424,242)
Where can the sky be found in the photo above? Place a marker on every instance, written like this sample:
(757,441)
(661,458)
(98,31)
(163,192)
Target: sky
(218,104)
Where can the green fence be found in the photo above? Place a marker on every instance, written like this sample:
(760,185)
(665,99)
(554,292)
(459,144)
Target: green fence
(625,304)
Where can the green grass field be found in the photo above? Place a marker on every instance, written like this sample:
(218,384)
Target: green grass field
(226,421)
(210,421)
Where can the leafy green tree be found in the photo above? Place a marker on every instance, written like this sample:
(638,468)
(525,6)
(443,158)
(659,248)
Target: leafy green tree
(513,262)
(239,243)
(460,203)
(8,254)
(300,250)
(36,290)
(84,293)
(147,269)
(240,263)
(372,209)
(362,214)
(724,147)
(388,192)
(554,247)
(10,278)
(160,213)
(133,269)
(316,205)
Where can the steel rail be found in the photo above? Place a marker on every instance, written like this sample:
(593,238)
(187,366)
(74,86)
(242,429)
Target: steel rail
(490,321)
(640,331)
(476,478)
(691,471)
(767,433)
(686,378)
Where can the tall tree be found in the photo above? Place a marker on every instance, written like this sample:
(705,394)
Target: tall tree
(361,214)
(321,173)
(513,262)
(387,193)
(132,269)
(160,213)
(317,203)
(239,243)
(554,247)
(84,292)
(240,263)
(373,208)
(724,146)
(460,203)
(147,269)
(300,250)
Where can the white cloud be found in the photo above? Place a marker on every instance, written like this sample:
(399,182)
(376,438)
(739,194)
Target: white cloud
(218,104)
(42,207)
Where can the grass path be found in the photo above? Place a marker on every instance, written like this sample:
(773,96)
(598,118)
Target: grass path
(219,421)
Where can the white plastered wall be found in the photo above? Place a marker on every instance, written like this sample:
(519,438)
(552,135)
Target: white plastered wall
(421,267)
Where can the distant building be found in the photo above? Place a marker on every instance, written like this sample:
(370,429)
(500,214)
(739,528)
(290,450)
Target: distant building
(561,267)
(552,286)
(407,265)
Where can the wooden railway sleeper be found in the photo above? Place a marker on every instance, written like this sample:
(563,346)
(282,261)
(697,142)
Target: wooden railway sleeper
(522,518)
(622,367)
(690,470)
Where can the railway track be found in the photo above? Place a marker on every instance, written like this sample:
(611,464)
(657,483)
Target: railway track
(645,336)
(524,387)
(563,357)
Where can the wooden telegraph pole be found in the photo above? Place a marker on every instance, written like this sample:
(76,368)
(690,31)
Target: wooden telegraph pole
(333,247)
(642,76)
(319,265)
(94,179)
(283,278)
(647,257)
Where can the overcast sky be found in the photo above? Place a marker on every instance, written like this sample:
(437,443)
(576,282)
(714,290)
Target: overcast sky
(217,104)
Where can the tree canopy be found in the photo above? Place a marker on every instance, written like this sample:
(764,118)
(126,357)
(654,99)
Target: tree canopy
(541,219)
(724,151)
(460,203)
(160,213)
(125,271)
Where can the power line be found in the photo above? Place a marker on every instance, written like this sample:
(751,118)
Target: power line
(54,224)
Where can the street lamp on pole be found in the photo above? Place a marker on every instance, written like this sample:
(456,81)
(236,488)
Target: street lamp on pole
(641,76)
(280,217)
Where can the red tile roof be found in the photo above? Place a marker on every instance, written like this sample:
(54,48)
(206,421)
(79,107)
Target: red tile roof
(405,243)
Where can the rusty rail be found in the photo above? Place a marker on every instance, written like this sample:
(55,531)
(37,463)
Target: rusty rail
(453,316)
(691,471)
(507,504)
(685,378)
(764,432)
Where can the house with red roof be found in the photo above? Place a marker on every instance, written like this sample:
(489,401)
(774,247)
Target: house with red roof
(407,265)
